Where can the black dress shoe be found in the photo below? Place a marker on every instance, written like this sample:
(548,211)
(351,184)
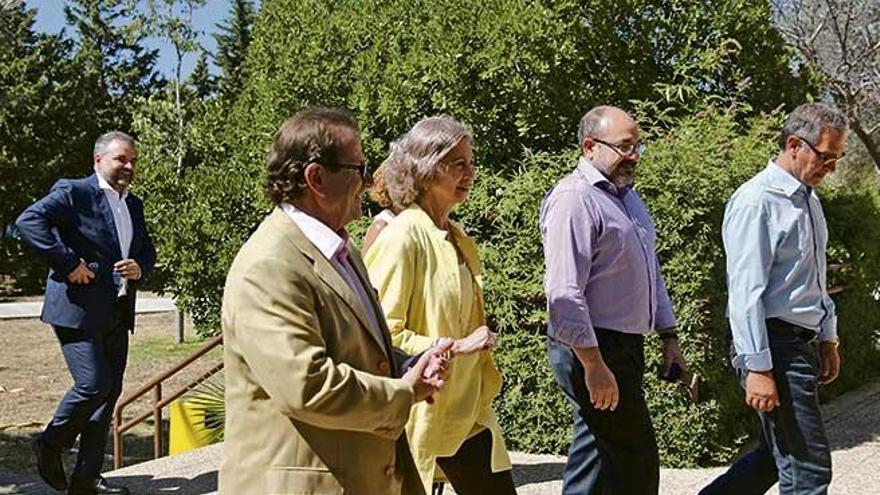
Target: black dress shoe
(94,487)
(49,465)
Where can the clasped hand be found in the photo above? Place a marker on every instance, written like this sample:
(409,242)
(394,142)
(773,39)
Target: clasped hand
(428,375)
(481,339)
(127,269)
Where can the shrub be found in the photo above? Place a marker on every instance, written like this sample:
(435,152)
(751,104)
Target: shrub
(520,74)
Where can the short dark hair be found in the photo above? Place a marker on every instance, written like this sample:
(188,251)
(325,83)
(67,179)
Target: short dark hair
(309,136)
(810,119)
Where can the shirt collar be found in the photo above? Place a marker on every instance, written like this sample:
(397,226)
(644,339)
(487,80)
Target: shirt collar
(103,184)
(783,181)
(598,179)
(323,237)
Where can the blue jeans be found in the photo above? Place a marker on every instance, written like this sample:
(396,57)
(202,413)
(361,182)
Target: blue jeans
(612,452)
(96,360)
(793,447)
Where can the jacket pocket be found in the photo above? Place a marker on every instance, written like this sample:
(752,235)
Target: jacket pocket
(301,481)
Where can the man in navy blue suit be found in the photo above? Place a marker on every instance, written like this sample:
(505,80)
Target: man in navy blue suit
(92,234)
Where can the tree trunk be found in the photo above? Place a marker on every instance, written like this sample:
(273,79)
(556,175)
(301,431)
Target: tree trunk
(868,140)
(179,108)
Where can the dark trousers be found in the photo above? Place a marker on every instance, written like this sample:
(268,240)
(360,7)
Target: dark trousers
(96,360)
(470,469)
(793,447)
(612,452)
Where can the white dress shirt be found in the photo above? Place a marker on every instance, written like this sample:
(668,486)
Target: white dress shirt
(329,244)
(121,220)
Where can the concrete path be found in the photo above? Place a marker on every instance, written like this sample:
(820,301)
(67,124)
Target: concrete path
(853,423)
(143,305)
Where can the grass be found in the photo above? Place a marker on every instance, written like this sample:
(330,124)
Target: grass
(161,348)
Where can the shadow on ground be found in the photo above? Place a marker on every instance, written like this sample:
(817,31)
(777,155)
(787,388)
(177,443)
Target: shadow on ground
(527,474)
(18,472)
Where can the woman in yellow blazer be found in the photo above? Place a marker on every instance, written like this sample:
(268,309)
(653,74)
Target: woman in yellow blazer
(427,273)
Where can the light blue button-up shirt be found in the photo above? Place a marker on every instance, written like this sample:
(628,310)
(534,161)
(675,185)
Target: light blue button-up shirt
(775,238)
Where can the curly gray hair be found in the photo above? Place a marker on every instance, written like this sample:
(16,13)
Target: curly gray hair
(415,158)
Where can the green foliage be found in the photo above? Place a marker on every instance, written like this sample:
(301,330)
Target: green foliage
(233,41)
(686,177)
(112,56)
(201,82)
(520,73)
(47,127)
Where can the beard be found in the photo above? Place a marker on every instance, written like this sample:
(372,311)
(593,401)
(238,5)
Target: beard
(623,173)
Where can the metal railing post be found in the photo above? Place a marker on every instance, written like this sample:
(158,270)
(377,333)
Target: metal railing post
(117,439)
(155,385)
(157,421)
(180,325)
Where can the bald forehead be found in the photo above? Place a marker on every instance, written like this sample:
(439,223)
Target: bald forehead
(615,123)
(608,123)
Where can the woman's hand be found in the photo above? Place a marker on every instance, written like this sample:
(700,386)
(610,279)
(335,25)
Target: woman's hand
(481,339)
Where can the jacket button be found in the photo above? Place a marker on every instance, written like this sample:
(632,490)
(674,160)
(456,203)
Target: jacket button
(389,470)
(383,366)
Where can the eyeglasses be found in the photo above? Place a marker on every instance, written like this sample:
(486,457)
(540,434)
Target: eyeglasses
(624,149)
(362,168)
(827,158)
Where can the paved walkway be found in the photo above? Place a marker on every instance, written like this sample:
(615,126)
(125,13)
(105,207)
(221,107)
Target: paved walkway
(143,305)
(853,422)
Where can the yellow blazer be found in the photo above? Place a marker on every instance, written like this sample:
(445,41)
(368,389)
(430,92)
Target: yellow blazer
(416,272)
(311,405)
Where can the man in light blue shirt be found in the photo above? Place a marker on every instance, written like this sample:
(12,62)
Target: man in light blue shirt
(775,239)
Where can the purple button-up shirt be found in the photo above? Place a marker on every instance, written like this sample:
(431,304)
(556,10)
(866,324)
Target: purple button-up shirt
(602,269)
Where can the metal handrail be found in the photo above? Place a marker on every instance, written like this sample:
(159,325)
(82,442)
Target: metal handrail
(155,385)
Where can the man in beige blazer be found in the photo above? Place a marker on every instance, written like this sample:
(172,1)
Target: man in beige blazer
(315,399)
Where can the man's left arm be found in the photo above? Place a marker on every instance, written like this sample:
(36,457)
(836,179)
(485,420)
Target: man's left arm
(829,358)
(665,324)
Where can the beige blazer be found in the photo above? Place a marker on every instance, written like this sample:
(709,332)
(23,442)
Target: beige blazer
(311,405)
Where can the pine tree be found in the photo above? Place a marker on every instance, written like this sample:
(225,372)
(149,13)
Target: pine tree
(111,52)
(232,46)
(201,82)
(46,125)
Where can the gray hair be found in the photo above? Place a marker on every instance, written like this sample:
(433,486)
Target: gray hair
(104,141)
(415,158)
(592,122)
(810,119)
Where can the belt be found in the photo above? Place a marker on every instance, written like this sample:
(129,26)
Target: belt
(778,326)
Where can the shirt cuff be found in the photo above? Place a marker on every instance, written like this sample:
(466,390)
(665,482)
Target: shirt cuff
(828,329)
(579,336)
(665,319)
(758,361)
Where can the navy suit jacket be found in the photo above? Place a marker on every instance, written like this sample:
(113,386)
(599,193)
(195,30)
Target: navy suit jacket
(74,222)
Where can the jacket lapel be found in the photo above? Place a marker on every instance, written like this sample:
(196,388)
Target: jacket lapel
(135,228)
(361,270)
(328,274)
(104,207)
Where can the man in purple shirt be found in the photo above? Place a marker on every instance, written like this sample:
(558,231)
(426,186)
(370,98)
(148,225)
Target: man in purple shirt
(604,293)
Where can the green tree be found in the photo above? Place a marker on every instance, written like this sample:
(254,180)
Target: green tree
(520,73)
(111,53)
(233,41)
(200,81)
(172,19)
(45,125)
